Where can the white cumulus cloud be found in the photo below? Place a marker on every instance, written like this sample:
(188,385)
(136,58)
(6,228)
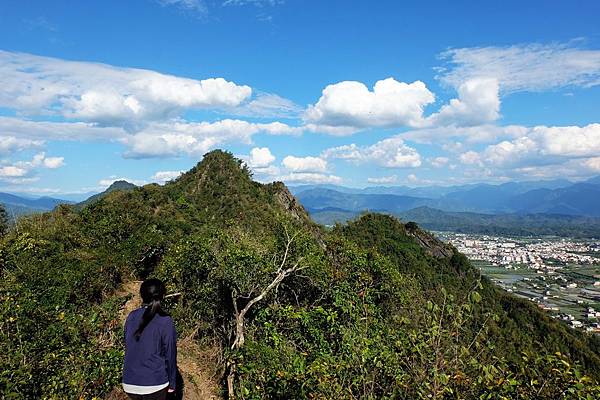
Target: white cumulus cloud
(293,169)
(305,164)
(11,171)
(53,162)
(176,138)
(170,138)
(24,171)
(383,179)
(592,164)
(351,104)
(391,153)
(478,102)
(12,144)
(106,94)
(40,160)
(470,157)
(261,157)
(439,162)
(310,177)
(545,144)
(165,176)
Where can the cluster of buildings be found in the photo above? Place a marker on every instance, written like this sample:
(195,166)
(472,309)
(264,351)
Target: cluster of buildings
(561,276)
(590,322)
(533,253)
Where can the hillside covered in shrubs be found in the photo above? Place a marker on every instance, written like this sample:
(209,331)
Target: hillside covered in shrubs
(371,309)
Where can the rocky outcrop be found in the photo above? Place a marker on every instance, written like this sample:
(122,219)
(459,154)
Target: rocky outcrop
(430,243)
(288,202)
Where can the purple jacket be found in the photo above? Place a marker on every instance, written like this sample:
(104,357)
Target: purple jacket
(153,359)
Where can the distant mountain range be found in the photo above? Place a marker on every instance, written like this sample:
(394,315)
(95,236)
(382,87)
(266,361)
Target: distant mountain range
(546,197)
(41,203)
(20,205)
(437,191)
(489,224)
(505,224)
(557,207)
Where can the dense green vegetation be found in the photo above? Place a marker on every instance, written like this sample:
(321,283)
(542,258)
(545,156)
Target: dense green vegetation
(371,309)
(115,186)
(3,220)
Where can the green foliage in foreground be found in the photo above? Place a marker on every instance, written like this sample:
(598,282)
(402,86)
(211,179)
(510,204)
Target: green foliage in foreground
(3,220)
(369,312)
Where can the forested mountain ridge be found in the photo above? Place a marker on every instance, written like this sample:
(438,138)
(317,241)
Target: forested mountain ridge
(573,226)
(543,197)
(116,185)
(19,205)
(372,309)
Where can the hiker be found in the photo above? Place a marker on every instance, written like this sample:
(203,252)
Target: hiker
(149,369)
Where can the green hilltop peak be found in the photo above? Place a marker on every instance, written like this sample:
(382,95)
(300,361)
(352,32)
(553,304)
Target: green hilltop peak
(216,167)
(120,185)
(220,188)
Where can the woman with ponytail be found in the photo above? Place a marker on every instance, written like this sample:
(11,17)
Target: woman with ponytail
(150,369)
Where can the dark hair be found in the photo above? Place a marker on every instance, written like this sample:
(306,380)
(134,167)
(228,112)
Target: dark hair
(152,292)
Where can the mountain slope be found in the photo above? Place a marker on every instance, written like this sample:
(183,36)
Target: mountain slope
(505,224)
(578,199)
(490,224)
(326,198)
(549,197)
(456,275)
(116,185)
(18,205)
(79,257)
(594,181)
(375,309)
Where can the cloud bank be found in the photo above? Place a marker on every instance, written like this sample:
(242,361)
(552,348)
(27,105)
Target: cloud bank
(101,93)
(529,67)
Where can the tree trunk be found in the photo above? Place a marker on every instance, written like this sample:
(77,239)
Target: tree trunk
(240,316)
(239,332)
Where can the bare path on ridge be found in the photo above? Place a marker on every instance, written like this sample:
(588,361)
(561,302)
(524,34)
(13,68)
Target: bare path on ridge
(197,365)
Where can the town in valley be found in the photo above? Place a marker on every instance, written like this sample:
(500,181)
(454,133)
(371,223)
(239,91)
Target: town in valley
(560,275)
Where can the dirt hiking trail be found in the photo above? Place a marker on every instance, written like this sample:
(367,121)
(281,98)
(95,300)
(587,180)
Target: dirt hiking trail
(198,366)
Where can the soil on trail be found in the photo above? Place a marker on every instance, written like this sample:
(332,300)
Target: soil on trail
(198,366)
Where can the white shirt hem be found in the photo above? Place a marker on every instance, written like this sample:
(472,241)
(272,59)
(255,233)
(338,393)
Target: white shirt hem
(137,389)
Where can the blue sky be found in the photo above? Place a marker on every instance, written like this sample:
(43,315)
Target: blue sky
(348,92)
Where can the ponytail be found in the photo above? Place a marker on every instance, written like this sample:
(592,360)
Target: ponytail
(152,292)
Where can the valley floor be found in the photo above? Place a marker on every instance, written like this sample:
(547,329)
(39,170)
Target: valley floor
(560,275)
